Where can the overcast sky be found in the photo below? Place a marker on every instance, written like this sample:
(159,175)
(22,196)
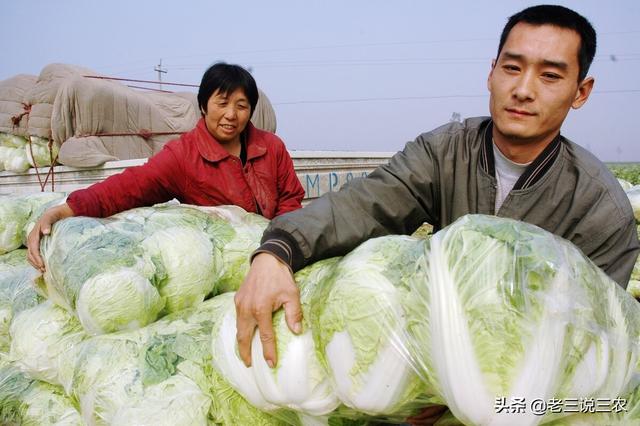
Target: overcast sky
(342,75)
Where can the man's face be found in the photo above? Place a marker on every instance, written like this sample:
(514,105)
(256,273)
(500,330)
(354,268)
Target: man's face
(534,83)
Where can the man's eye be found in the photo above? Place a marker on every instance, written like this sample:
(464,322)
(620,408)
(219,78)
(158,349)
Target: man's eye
(510,67)
(551,76)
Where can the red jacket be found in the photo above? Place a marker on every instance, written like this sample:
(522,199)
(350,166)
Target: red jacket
(195,169)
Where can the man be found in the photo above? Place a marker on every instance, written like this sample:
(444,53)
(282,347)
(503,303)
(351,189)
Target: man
(514,164)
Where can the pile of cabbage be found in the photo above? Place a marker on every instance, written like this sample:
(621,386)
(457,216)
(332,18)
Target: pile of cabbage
(633,193)
(18,154)
(134,323)
(18,215)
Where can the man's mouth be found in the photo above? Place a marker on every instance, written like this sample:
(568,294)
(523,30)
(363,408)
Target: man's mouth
(520,112)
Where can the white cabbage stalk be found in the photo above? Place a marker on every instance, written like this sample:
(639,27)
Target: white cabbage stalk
(230,408)
(185,266)
(117,300)
(43,340)
(299,381)
(503,309)
(359,322)
(225,357)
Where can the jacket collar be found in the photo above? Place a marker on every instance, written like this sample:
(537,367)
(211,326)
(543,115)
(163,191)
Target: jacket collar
(533,173)
(211,149)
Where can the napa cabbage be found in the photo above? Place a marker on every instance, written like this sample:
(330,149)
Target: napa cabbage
(503,309)
(28,402)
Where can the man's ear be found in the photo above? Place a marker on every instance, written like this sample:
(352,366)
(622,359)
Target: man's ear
(493,65)
(582,94)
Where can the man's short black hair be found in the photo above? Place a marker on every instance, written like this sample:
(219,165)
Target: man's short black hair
(227,78)
(562,17)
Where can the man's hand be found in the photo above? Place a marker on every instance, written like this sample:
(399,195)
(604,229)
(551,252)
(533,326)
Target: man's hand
(43,227)
(269,285)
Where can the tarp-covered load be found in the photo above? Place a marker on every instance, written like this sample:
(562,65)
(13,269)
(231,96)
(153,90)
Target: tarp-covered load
(94,119)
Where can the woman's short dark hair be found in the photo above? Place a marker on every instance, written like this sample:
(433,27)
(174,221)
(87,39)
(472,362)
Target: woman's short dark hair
(227,78)
(562,17)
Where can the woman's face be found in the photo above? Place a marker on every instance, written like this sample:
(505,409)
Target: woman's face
(227,115)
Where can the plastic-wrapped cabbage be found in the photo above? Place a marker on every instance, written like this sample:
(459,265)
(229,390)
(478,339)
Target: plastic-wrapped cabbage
(27,402)
(15,160)
(503,309)
(299,381)
(12,141)
(634,198)
(235,390)
(3,154)
(41,202)
(225,358)
(634,289)
(229,407)
(80,248)
(122,299)
(241,239)
(17,292)
(359,320)
(42,153)
(175,401)
(122,272)
(16,212)
(185,265)
(185,246)
(43,343)
(619,411)
(153,369)
(625,184)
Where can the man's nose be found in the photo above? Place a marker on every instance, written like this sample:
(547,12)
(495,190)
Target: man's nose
(525,87)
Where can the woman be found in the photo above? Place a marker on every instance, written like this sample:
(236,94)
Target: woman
(223,160)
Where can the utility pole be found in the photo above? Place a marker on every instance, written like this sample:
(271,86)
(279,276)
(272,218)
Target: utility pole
(158,68)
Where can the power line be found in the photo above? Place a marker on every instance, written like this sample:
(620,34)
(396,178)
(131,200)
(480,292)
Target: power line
(405,98)
(395,61)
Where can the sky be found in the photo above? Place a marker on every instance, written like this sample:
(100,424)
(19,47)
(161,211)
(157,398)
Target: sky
(351,75)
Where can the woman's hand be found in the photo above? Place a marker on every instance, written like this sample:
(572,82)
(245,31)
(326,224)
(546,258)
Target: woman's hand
(43,227)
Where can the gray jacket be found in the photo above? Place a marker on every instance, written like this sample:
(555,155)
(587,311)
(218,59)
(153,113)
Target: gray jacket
(447,173)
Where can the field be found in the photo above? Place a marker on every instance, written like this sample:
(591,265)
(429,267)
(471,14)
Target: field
(627,171)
